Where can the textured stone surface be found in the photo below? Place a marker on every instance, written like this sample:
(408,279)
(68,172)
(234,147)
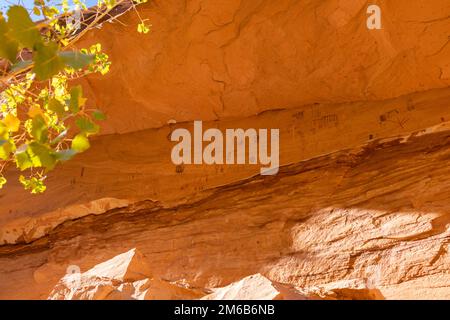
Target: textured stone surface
(231,58)
(377,214)
(255,287)
(360,206)
(124,277)
(258,287)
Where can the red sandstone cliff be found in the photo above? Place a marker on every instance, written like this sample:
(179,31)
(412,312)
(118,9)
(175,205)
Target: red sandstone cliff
(359,209)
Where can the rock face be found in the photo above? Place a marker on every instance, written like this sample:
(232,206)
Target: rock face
(258,287)
(124,277)
(255,287)
(358,210)
(128,277)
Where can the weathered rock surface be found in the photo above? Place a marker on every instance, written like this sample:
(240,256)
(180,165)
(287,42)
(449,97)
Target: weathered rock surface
(376,214)
(255,287)
(258,287)
(360,208)
(354,289)
(222,59)
(124,277)
(128,277)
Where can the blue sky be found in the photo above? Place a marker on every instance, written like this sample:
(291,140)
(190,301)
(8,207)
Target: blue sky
(4,4)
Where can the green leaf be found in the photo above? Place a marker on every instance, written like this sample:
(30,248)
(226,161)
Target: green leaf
(143,28)
(8,46)
(76,99)
(4,134)
(86,125)
(76,60)
(47,63)
(50,12)
(35,155)
(39,129)
(109,3)
(5,149)
(41,155)
(23,160)
(22,28)
(80,143)
(98,115)
(36,11)
(56,106)
(34,184)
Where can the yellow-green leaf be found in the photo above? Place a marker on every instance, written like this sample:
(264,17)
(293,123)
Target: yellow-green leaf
(50,12)
(47,63)
(39,130)
(76,99)
(22,28)
(36,11)
(56,106)
(80,143)
(86,125)
(34,184)
(11,122)
(23,160)
(2,181)
(42,155)
(143,28)
(5,149)
(8,46)
(35,155)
